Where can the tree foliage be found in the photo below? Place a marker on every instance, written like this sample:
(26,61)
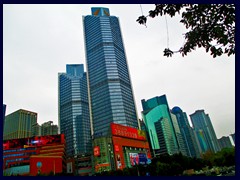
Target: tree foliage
(225,157)
(211,26)
(174,165)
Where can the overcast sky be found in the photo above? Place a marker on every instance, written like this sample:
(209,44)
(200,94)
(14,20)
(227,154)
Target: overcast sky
(39,40)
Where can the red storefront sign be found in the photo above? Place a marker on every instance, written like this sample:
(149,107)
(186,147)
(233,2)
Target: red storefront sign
(129,132)
(96,151)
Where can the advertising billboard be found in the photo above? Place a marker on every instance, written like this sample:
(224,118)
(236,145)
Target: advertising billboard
(119,164)
(138,158)
(96,151)
(129,132)
(134,159)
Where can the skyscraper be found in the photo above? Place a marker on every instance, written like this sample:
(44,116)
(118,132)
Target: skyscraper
(189,139)
(202,122)
(181,147)
(19,124)
(110,89)
(73,109)
(225,142)
(162,126)
(166,139)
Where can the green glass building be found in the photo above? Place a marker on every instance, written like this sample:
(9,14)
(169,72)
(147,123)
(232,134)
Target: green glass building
(163,129)
(19,124)
(165,137)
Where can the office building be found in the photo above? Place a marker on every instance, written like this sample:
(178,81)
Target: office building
(48,128)
(189,140)
(36,130)
(225,142)
(73,110)
(162,126)
(19,124)
(181,145)
(202,122)
(201,141)
(165,137)
(110,90)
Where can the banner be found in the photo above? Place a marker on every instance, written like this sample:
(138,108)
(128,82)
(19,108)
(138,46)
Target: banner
(129,132)
(138,158)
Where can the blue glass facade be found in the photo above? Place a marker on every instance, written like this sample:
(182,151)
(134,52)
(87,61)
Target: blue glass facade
(74,120)
(110,90)
(201,121)
(189,139)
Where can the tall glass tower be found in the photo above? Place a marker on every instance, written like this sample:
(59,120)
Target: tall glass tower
(187,132)
(110,89)
(73,109)
(201,121)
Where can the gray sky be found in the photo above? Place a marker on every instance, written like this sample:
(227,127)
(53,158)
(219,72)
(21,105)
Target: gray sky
(39,40)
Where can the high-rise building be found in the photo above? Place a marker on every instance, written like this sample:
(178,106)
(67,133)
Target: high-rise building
(181,146)
(166,139)
(48,128)
(225,142)
(19,124)
(189,140)
(110,90)
(201,121)
(36,130)
(4,112)
(73,109)
(162,126)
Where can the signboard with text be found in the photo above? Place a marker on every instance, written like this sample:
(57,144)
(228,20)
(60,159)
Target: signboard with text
(128,132)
